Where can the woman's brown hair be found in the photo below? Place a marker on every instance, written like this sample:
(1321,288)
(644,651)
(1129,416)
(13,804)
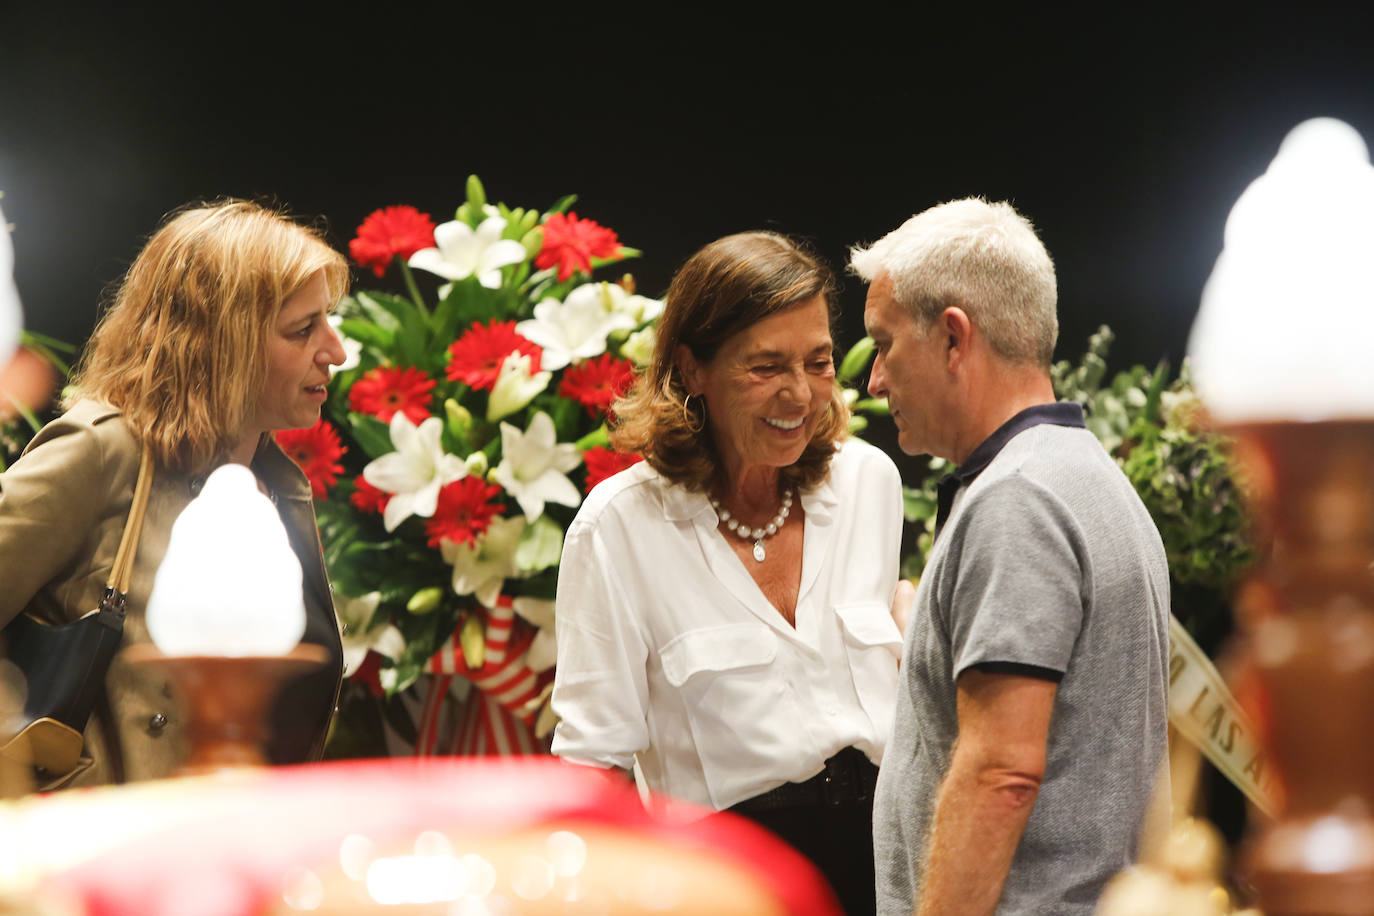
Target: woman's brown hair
(181,352)
(729,285)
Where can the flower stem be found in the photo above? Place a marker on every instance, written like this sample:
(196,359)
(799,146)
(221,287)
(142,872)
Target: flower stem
(414,290)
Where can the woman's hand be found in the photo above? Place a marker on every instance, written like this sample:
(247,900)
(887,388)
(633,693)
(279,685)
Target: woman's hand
(903,598)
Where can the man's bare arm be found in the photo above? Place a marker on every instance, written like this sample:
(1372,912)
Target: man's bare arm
(987,795)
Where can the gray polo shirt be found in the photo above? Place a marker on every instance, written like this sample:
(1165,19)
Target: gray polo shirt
(1047,558)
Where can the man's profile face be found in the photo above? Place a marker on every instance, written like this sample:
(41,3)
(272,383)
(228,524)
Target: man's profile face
(907,370)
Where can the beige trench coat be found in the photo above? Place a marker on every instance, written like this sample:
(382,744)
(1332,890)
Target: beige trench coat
(63,505)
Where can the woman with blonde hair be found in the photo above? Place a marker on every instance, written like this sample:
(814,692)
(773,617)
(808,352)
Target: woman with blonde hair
(216,337)
(724,606)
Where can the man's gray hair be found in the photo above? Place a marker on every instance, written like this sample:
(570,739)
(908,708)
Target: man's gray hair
(984,258)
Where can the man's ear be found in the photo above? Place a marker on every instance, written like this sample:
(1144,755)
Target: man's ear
(959,333)
(688,368)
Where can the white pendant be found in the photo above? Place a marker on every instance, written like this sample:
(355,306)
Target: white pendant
(758,552)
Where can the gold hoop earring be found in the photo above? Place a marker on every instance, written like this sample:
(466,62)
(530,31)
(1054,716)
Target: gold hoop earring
(694,421)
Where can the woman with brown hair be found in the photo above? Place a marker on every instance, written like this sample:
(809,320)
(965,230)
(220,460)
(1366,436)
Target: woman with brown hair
(724,606)
(216,337)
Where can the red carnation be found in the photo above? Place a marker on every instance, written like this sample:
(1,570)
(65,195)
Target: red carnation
(386,391)
(317,451)
(476,357)
(463,512)
(368,498)
(595,383)
(604,462)
(369,674)
(571,243)
(388,233)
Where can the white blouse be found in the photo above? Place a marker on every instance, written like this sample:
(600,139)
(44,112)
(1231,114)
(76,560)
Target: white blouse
(668,651)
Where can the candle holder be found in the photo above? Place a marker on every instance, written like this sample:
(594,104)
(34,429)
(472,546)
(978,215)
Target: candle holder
(1306,617)
(227,700)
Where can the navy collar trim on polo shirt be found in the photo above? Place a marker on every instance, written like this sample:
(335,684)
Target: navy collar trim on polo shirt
(1060,413)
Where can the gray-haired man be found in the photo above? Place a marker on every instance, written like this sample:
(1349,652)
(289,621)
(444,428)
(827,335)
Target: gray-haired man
(1032,708)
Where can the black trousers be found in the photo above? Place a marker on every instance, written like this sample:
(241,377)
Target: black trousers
(834,831)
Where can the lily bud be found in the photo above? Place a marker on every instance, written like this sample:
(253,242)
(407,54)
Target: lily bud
(533,241)
(515,387)
(477,463)
(425,600)
(856,359)
(459,417)
(477,195)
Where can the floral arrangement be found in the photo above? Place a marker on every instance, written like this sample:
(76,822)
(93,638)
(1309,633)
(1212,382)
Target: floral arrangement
(43,363)
(457,442)
(1183,472)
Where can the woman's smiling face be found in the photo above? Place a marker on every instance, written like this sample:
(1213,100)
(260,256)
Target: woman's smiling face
(767,387)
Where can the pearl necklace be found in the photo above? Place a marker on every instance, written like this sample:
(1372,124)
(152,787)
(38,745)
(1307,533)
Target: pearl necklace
(757,535)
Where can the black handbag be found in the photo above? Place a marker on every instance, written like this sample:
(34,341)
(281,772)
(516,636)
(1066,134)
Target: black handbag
(65,666)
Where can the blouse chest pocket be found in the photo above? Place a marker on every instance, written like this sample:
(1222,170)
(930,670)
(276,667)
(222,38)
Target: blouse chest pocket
(717,649)
(735,696)
(874,645)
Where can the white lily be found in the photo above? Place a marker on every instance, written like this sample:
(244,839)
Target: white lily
(543,652)
(638,348)
(515,386)
(11,320)
(463,251)
(639,308)
(575,329)
(415,472)
(480,568)
(353,350)
(356,615)
(534,466)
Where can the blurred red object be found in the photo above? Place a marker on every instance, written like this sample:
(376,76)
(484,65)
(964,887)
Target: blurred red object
(28,380)
(440,835)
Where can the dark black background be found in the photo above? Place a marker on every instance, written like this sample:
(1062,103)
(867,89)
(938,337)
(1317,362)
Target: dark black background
(1125,134)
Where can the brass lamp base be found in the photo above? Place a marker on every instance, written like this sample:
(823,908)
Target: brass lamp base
(1307,617)
(227,700)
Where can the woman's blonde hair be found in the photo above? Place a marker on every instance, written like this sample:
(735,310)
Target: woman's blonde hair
(181,352)
(729,285)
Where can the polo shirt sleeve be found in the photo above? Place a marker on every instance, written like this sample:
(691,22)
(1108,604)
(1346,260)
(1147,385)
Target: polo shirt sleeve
(601,688)
(1014,579)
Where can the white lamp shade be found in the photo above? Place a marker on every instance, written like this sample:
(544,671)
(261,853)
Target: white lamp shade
(10,317)
(1286,328)
(230,583)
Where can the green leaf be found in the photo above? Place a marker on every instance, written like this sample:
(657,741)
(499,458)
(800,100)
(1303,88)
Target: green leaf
(917,505)
(367,333)
(384,308)
(876,406)
(372,435)
(561,206)
(597,437)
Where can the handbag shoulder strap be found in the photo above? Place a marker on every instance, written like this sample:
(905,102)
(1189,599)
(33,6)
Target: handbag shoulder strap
(123,567)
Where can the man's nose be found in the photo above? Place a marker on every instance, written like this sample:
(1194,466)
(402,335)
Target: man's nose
(877,378)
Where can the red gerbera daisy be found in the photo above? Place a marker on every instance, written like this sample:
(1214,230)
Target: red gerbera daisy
(388,233)
(368,498)
(317,451)
(369,674)
(604,462)
(476,357)
(571,243)
(385,391)
(595,383)
(463,512)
